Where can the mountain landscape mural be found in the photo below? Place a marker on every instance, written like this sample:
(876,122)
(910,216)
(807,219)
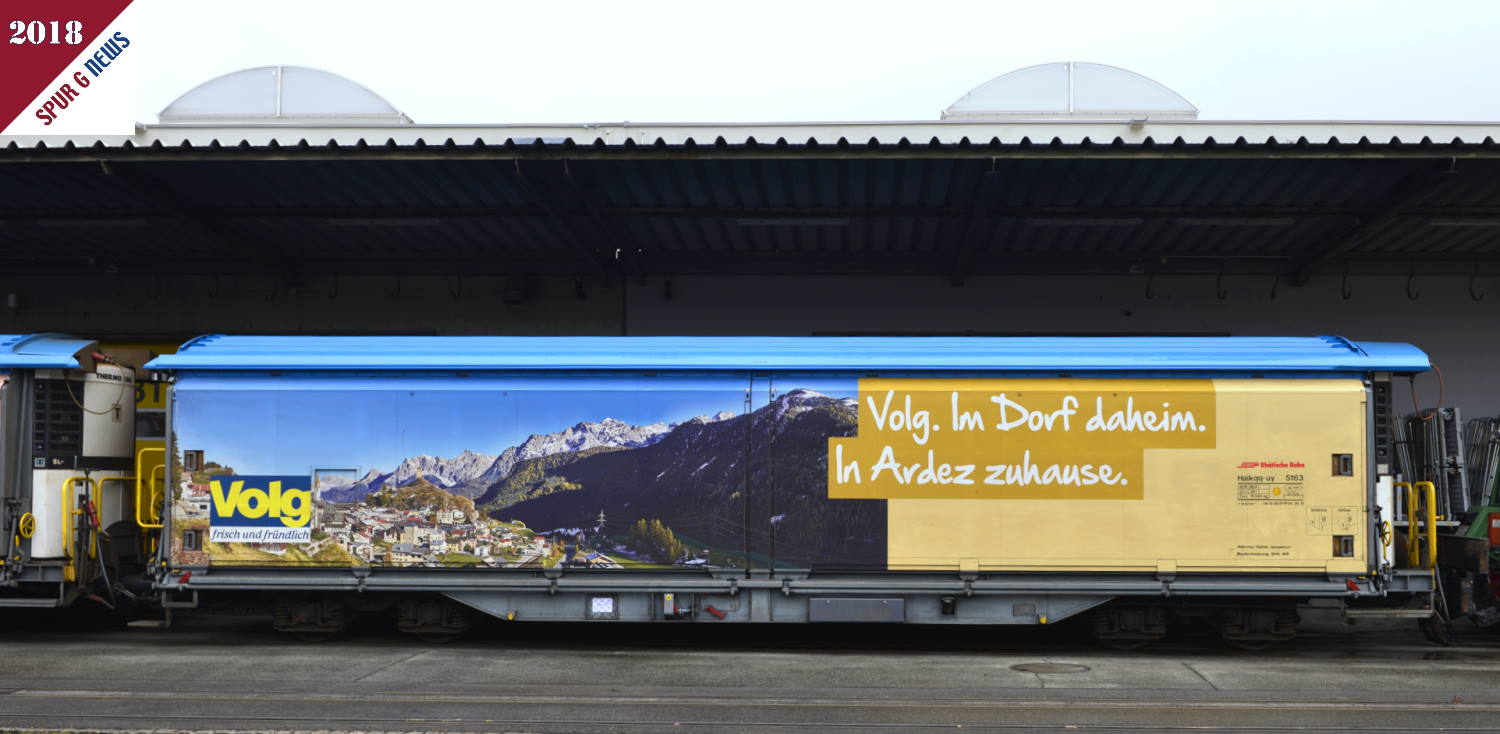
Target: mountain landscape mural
(470,474)
(703,479)
(688,485)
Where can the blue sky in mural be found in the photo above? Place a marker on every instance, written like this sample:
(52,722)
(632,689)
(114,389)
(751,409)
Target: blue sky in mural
(294,431)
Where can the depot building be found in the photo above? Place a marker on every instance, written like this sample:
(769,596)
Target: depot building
(1062,199)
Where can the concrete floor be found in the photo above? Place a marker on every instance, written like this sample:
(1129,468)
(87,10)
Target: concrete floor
(232,673)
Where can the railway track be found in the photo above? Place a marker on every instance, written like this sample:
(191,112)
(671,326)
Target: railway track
(23,708)
(233,674)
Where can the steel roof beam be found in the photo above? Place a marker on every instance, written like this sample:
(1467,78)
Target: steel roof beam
(1405,194)
(576,239)
(608,213)
(587,193)
(978,229)
(229,244)
(769,263)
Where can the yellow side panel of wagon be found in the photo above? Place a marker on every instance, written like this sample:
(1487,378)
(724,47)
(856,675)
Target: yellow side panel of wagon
(1233,475)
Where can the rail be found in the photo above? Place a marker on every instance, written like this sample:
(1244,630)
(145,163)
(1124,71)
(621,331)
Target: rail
(148,487)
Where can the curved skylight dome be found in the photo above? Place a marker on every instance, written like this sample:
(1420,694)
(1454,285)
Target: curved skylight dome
(289,94)
(1071,89)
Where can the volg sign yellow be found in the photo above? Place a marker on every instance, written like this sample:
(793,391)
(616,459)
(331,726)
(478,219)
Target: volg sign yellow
(1015,438)
(261,509)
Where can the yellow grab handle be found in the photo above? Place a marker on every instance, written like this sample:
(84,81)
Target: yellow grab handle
(146,482)
(69,511)
(1430,518)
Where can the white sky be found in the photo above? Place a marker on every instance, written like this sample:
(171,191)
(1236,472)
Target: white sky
(467,61)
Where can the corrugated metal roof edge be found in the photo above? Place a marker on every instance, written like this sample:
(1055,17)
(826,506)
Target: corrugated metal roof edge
(759,135)
(1110,354)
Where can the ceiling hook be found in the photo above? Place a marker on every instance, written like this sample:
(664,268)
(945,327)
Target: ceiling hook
(1344,285)
(1412,295)
(1475,294)
(1219,283)
(334,291)
(396,292)
(214,294)
(275,286)
(457,291)
(1150,280)
(1275,281)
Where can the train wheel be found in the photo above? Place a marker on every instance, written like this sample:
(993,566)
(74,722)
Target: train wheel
(1124,643)
(1126,627)
(433,621)
(311,619)
(1438,631)
(1488,620)
(1257,628)
(1249,645)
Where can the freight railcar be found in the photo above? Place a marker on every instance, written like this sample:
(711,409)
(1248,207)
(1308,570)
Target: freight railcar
(67,479)
(719,480)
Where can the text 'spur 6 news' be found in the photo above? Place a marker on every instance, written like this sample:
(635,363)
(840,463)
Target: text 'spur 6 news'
(68,68)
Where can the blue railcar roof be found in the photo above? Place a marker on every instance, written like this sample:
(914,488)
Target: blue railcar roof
(40,351)
(666,353)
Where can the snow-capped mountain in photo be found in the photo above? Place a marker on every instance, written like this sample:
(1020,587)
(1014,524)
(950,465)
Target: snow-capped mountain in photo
(469,474)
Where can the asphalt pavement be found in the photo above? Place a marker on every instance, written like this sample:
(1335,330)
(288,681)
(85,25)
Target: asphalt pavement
(217,673)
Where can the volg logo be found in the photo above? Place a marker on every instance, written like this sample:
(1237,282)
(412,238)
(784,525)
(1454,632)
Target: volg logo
(261,509)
